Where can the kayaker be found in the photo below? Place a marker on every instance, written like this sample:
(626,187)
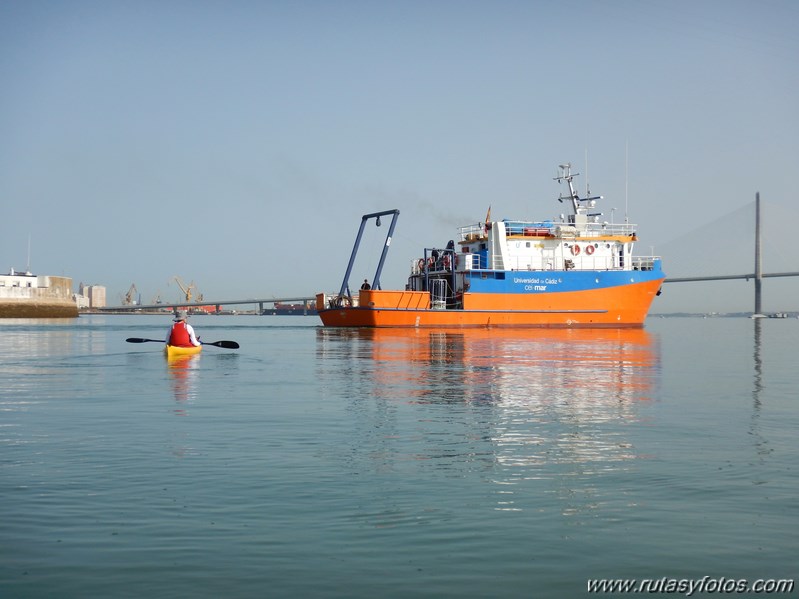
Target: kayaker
(181,333)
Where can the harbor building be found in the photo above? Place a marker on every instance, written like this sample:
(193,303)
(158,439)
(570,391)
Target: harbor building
(25,295)
(91,296)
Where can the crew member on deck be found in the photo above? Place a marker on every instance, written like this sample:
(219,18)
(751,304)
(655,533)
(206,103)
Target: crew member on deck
(366,286)
(181,333)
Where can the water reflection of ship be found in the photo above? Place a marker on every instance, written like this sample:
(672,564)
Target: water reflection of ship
(527,404)
(568,365)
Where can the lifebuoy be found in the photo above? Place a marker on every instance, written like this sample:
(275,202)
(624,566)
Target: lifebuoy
(445,261)
(341,301)
(575,250)
(421,264)
(589,249)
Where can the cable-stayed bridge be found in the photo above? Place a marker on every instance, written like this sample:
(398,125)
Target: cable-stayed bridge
(735,243)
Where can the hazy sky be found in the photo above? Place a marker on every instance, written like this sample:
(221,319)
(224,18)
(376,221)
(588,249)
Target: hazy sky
(237,144)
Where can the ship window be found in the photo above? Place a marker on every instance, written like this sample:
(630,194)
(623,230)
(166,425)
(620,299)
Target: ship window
(499,275)
(527,244)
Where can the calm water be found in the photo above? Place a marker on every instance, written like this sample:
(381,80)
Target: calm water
(323,463)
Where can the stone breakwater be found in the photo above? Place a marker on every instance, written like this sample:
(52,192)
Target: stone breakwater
(37,309)
(50,298)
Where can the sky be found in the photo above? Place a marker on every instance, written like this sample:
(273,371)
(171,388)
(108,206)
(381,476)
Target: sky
(236,144)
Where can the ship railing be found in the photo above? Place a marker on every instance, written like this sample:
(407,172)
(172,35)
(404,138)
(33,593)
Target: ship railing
(471,262)
(514,228)
(438,294)
(529,228)
(478,261)
(420,266)
(472,232)
(607,230)
(645,262)
(521,263)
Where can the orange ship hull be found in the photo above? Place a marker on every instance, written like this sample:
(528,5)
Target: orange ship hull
(618,307)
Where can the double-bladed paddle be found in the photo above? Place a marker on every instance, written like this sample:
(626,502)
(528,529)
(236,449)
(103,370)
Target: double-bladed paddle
(225,344)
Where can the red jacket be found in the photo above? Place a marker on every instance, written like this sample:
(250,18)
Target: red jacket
(180,336)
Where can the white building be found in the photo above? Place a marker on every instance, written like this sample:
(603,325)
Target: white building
(90,296)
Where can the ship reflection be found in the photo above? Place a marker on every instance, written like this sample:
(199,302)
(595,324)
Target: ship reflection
(520,405)
(576,367)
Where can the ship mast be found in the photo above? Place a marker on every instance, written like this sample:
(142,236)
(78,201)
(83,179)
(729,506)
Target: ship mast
(579,205)
(566,175)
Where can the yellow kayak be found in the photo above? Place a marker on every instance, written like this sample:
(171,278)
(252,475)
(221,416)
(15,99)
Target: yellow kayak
(173,350)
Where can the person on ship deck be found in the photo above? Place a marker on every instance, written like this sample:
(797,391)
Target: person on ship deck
(181,333)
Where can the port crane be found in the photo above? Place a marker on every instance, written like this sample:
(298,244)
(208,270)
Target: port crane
(130,296)
(186,289)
